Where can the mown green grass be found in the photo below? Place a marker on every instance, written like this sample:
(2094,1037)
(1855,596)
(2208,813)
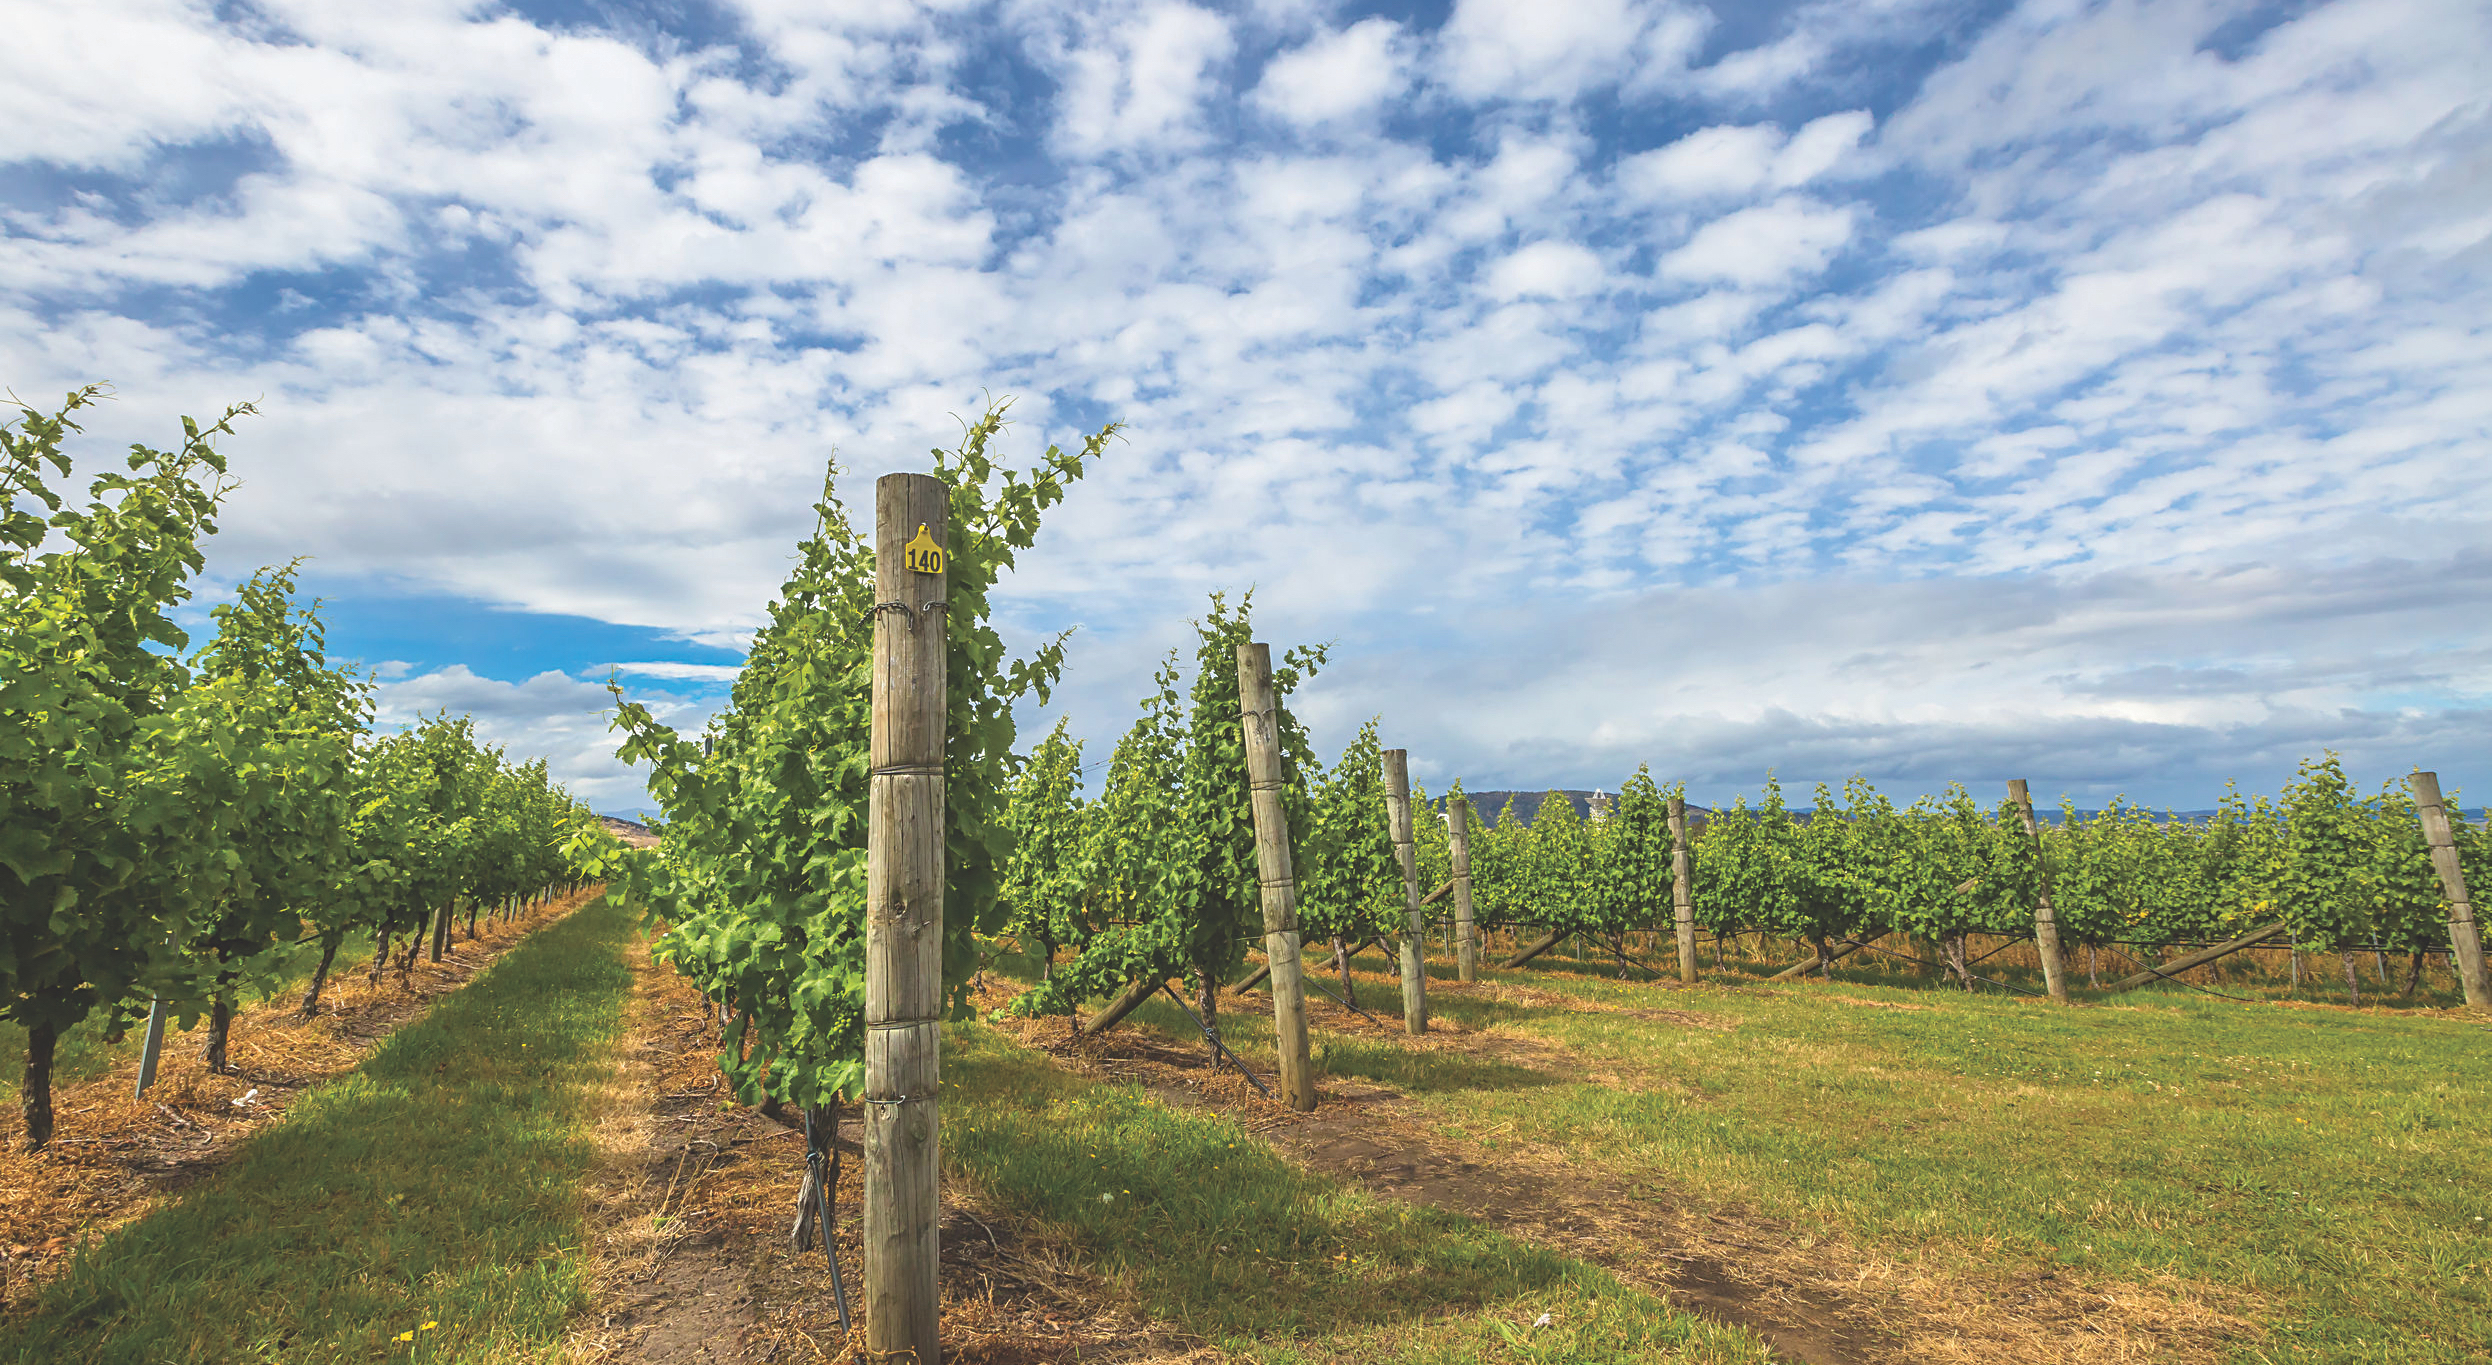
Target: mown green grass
(439,1183)
(1204,1227)
(2325,1173)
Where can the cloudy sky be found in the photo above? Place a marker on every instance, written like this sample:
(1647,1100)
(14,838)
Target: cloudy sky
(2093,392)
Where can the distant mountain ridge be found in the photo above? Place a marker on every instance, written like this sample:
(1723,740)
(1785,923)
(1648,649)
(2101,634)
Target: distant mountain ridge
(631,832)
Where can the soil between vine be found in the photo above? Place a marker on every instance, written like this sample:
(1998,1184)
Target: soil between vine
(691,1208)
(114,1156)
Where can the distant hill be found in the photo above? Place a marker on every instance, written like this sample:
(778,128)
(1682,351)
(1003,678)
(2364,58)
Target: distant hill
(1526,804)
(631,832)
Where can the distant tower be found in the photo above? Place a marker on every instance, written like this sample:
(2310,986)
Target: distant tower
(1600,806)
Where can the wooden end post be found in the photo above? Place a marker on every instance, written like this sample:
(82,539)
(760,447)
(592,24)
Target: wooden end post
(1276,873)
(2045,919)
(2168,970)
(1466,932)
(1414,967)
(2465,939)
(904,920)
(1682,895)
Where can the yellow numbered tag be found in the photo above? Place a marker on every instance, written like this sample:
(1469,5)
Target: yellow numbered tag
(924,556)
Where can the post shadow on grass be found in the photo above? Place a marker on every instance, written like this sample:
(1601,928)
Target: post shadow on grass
(437,1183)
(1210,1228)
(1478,1013)
(1416,1072)
(1385,1061)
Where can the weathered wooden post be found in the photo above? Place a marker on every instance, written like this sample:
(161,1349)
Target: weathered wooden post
(1466,934)
(1414,942)
(1276,873)
(2465,939)
(904,920)
(2045,919)
(151,1047)
(1682,895)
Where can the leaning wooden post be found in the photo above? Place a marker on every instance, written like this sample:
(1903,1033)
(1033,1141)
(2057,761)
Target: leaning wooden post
(1275,873)
(1682,895)
(904,920)
(2045,919)
(1466,934)
(2465,940)
(1414,967)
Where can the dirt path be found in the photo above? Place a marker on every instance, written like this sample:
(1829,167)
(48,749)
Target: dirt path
(691,1210)
(113,1155)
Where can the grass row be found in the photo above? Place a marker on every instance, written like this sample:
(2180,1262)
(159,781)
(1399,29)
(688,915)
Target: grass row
(2328,1172)
(425,1207)
(1203,1226)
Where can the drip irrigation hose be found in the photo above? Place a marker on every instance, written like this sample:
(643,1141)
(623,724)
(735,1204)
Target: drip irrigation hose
(1623,960)
(1344,1003)
(824,1178)
(1218,1048)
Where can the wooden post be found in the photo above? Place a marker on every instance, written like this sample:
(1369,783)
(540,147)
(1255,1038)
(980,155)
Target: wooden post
(1414,966)
(1811,964)
(2465,939)
(1682,895)
(1533,949)
(1466,933)
(1276,873)
(1135,995)
(2045,919)
(2203,956)
(904,920)
(151,1047)
(441,930)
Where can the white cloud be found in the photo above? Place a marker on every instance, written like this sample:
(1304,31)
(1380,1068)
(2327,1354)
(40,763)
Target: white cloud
(1522,49)
(1144,85)
(671,672)
(1722,161)
(1820,146)
(1764,246)
(1561,270)
(569,319)
(1757,72)
(1741,160)
(1337,75)
(173,84)
(562,719)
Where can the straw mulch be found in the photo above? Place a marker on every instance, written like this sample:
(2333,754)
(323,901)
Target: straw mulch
(692,1206)
(113,1155)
